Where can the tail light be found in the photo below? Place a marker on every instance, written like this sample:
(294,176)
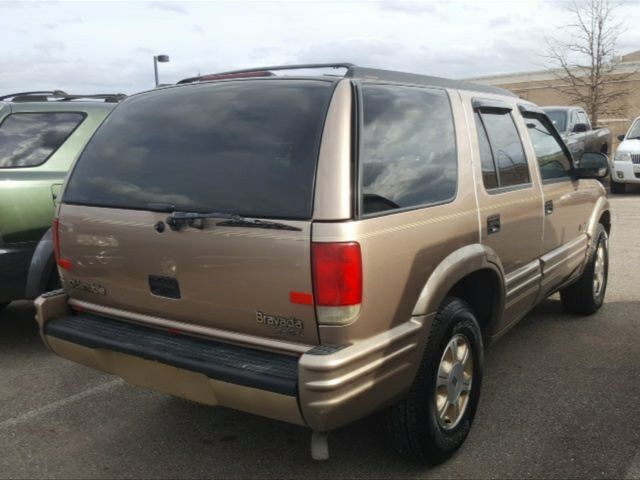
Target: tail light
(337,278)
(61,262)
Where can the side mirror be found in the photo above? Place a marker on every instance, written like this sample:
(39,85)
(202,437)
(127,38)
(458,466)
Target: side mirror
(580,128)
(621,137)
(592,165)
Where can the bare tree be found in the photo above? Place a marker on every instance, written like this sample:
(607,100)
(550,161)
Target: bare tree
(586,65)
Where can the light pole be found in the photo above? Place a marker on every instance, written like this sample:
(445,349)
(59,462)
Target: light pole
(156,59)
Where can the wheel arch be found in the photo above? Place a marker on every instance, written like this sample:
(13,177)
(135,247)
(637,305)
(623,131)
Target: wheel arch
(42,265)
(600,214)
(473,273)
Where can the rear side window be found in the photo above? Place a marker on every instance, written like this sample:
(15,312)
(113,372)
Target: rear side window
(408,152)
(29,139)
(247,147)
(507,165)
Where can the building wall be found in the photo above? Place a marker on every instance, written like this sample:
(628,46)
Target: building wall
(537,87)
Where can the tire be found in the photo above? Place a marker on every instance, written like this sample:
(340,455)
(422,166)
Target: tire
(617,187)
(585,296)
(412,425)
(3,304)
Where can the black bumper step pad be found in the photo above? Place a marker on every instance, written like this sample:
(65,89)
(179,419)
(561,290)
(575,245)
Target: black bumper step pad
(219,361)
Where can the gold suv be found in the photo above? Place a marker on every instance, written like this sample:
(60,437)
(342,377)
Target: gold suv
(318,248)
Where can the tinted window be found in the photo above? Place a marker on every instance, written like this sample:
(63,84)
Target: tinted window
(245,147)
(582,118)
(506,147)
(551,158)
(558,118)
(489,174)
(408,155)
(634,131)
(29,139)
(574,118)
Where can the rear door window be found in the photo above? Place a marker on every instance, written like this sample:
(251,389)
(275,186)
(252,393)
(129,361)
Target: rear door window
(248,147)
(29,139)
(408,153)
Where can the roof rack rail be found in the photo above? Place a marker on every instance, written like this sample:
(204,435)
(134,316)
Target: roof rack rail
(42,93)
(362,73)
(263,71)
(60,96)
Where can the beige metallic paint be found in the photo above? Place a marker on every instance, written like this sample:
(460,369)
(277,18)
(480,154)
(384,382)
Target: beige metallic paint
(332,199)
(222,285)
(411,260)
(181,383)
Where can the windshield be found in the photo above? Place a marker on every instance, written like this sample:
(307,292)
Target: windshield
(245,147)
(634,131)
(558,118)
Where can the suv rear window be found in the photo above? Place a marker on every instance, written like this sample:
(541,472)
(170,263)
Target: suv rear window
(245,147)
(29,139)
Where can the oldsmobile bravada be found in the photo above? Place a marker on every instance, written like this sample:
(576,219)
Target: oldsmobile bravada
(314,249)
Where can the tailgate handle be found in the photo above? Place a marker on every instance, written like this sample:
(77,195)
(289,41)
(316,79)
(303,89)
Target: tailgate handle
(164,286)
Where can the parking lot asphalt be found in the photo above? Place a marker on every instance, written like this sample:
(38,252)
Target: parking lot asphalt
(560,399)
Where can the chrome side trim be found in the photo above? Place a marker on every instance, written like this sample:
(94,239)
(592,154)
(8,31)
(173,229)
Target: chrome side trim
(523,282)
(214,333)
(556,258)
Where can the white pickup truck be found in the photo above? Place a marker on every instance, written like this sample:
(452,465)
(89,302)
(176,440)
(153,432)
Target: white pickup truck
(625,167)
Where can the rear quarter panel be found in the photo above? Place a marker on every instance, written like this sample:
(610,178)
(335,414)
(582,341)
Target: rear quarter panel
(401,250)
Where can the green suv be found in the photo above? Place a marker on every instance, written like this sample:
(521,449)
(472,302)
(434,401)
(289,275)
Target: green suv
(41,133)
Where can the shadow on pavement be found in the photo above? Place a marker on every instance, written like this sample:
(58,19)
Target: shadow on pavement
(18,327)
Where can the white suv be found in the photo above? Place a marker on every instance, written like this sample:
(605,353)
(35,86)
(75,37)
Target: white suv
(625,167)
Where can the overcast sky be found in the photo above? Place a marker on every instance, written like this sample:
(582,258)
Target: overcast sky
(108,46)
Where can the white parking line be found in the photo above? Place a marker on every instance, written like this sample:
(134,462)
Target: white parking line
(633,473)
(11,422)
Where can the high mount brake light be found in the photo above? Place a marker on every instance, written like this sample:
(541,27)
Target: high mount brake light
(337,278)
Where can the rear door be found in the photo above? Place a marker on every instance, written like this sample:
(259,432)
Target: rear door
(510,202)
(238,147)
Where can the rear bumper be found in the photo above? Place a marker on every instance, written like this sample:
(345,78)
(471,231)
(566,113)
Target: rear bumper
(625,172)
(324,388)
(14,266)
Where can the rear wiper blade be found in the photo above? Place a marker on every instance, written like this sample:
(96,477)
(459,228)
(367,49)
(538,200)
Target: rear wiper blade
(240,221)
(177,220)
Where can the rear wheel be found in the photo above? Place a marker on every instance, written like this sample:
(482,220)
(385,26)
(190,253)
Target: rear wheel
(3,304)
(432,422)
(617,187)
(586,295)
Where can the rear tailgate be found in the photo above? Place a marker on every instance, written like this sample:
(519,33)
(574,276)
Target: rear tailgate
(224,277)
(245,148)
